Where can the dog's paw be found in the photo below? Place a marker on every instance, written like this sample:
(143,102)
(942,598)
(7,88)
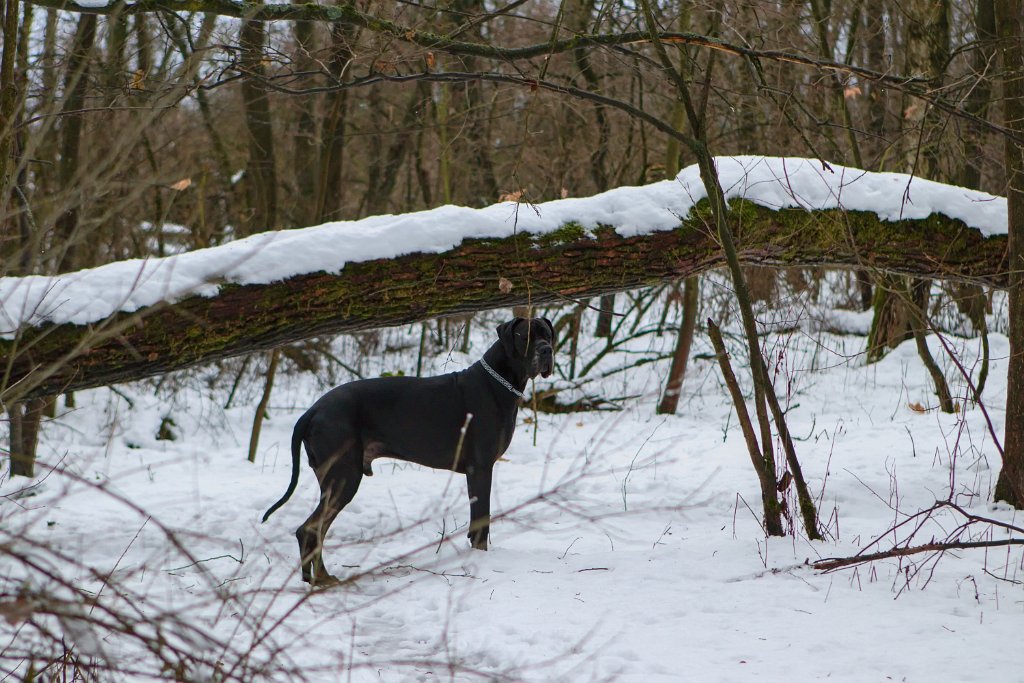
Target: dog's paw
(323,581)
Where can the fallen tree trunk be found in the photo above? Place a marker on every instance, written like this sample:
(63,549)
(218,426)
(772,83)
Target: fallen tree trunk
(547,268)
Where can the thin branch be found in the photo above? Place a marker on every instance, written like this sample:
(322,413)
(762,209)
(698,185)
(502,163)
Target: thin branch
(833,563)
(918,520)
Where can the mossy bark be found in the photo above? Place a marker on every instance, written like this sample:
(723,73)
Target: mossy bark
(245,318)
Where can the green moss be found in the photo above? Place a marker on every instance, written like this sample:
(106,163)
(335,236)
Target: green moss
(701,213)
(524,240)
(564,234)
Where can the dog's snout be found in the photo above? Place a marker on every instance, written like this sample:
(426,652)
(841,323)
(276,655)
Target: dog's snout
(545,359)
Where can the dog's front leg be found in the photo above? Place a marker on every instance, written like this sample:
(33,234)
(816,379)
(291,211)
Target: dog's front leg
(478,482)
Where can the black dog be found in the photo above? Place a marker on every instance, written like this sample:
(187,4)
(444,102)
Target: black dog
(461,421)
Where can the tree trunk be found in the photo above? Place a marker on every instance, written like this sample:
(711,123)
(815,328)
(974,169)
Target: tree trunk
(877,142)
(384,175)
(1010,22)
(926,46)
(890,322)
(330,190)
(442,109)
(71,135)
(691,288)
(305,149)
(919,329)
(373,294)
(9,97)
(674,384)
(260,172)
(820,12)
(605,316)
(481,184)
(25,419)
(261,408)
(977,102)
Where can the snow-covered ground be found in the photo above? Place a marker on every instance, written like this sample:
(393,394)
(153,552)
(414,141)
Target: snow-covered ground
(627,545)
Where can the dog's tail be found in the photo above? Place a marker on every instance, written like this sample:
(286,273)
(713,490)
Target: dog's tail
(297,435)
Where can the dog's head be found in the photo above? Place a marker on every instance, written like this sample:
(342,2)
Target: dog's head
(531,340)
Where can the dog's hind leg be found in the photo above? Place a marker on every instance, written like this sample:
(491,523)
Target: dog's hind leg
(339,480)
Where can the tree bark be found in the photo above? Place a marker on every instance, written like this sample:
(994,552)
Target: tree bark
(373,294)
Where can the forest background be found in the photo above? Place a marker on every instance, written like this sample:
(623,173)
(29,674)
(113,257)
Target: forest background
(147,129)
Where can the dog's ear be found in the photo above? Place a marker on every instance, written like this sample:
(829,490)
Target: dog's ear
(505,335)
(550,327)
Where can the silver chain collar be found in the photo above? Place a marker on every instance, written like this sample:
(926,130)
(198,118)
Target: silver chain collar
(504,382)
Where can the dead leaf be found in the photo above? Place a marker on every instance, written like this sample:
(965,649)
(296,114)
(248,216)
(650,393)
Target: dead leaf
(912,112)
(514,196)
(852,91)
(137,80)
(431,60)
(182,184)
(504,285)
(917,407)
(16,611)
